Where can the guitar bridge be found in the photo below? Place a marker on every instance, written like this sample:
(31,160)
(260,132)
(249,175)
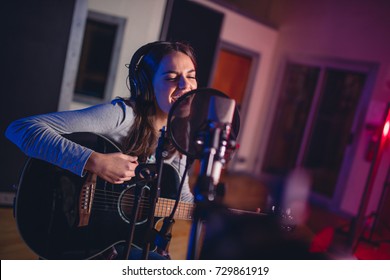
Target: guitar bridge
(86,198)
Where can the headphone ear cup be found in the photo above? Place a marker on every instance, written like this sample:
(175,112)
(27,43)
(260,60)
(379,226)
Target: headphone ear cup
(133,88)
(133,65)
(143,86)
(137,76)
(132,82)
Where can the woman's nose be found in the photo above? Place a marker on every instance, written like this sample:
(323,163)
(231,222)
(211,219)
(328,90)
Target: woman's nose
(184,83)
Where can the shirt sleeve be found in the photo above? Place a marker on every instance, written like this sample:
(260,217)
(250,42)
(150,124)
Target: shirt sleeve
(41,136)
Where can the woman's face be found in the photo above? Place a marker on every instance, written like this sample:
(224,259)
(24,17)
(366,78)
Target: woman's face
(174,77)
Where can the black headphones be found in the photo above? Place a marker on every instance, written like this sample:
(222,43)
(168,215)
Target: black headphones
(138,78)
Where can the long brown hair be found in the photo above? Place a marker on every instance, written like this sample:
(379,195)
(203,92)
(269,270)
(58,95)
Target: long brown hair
(142,137)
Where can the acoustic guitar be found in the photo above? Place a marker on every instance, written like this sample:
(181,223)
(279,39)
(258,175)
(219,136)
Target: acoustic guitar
(60,215)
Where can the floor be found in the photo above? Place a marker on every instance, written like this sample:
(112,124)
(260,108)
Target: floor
(324,234)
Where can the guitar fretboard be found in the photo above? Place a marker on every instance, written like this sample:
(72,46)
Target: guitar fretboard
(164,207)
(185,210)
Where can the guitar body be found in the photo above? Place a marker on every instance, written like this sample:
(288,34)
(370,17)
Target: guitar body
(47,207)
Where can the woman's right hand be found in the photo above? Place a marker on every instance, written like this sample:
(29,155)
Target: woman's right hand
(115,168)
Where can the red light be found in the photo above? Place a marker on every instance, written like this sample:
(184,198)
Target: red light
(386,129)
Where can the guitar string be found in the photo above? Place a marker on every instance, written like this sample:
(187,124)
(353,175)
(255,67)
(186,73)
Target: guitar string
(114,196)
(163,206)
(186,207)
(104,198)
(143,213)
(184,214)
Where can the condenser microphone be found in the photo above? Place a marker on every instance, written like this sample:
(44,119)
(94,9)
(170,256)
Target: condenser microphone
(220,117)
(221,109)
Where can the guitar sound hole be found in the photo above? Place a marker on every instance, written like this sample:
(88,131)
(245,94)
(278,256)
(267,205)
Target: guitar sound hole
(126,205)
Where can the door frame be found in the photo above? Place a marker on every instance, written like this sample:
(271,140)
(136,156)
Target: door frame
(256,58)
(73,54)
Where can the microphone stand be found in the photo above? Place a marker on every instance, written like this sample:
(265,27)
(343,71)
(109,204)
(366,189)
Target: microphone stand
(163,237)
(149,176)
(138,193)
(155,191)
(216,141)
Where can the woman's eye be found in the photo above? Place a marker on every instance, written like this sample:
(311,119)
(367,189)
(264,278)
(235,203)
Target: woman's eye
(171,78)
(177,78)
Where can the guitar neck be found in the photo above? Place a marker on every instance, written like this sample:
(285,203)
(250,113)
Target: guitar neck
(164,207)
(185,210)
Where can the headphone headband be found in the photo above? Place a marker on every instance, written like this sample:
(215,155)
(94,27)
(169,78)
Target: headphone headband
(135,62)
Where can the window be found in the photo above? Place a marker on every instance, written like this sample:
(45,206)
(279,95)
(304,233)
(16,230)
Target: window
(99,58)
(314,120)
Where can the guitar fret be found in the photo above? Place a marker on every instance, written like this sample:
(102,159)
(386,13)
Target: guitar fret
(164,207)
(168,208)
(180,212)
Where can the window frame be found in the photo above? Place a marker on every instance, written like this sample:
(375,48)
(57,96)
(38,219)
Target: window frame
(120,23)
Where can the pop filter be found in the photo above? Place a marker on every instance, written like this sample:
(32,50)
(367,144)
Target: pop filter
(189,118)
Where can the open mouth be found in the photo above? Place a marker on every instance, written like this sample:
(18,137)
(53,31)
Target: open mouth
(175,97)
